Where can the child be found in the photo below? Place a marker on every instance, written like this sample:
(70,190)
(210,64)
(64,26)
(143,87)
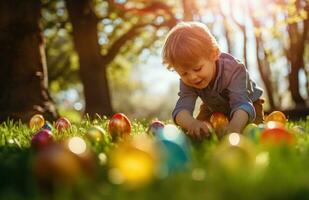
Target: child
(220,80)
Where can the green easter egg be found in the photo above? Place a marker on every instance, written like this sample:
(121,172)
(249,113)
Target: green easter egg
(253,132)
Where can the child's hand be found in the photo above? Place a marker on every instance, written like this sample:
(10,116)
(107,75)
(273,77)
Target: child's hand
(198,129)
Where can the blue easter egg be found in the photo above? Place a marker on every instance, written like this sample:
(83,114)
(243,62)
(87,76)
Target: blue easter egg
(174,147)
(47,126)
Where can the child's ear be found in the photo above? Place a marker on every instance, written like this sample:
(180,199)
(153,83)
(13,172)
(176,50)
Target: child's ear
(215,55)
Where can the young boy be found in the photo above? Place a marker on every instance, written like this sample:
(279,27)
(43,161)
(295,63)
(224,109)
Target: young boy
(220,80)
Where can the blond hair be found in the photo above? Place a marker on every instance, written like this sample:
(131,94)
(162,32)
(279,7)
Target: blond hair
(186,43)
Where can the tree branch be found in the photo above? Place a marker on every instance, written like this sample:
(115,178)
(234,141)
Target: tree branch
(113,50)
(152,8)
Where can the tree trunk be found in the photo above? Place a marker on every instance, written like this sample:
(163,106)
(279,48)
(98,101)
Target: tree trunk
(23,70)
(227,34)
(226,30)
(92,68)
(244,33)
(295,57)
(263,65)
(265,76)
(294,82)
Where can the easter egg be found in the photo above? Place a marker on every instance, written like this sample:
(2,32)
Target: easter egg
(119,125)
(261,126)
(37,121)
(42,139)
(95,133)
(273,124)
(174,146)
(56,165)
(253,132)
(64,163)
(133,162)
(276,116)
(219,122)
(234,153)
(62,124)
(47,126)
(155,126)
(275,133)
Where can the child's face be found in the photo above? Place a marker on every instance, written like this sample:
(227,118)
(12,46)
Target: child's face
(199,75)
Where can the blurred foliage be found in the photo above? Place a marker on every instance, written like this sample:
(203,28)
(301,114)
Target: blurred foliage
(62,60)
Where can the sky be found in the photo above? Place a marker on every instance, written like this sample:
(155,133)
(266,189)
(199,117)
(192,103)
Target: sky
(157,78)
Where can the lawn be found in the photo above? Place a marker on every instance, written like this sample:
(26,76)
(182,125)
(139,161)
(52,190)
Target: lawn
(212,168)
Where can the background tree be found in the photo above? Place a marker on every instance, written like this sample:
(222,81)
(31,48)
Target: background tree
(262,58)
(23,72)
(93,65)
(287,40)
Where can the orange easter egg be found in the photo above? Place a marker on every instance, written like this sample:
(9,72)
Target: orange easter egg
(277,116)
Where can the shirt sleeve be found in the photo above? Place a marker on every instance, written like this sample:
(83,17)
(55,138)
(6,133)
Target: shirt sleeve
(186,101)
(239,92)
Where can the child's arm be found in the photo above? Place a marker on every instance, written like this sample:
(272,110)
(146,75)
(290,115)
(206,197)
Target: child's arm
(242,108)
(238,121)
(194,127)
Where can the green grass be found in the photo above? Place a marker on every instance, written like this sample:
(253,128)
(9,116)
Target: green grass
(283,172)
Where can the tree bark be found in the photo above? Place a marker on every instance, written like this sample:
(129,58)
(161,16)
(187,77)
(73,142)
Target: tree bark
(23,70)
(265,76)
(227,34)
(92,69)
(295,57)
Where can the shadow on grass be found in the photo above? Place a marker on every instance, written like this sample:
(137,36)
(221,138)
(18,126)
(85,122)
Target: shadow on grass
(16,174)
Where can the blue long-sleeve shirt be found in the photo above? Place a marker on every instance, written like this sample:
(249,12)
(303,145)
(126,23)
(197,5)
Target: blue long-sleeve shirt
(231,90)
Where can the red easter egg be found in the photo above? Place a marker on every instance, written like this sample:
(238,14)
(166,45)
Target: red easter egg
(155,126)
(62,123)
(275,133)
(119,125)
(41,139)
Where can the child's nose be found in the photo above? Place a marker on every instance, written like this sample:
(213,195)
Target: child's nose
(192,77)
